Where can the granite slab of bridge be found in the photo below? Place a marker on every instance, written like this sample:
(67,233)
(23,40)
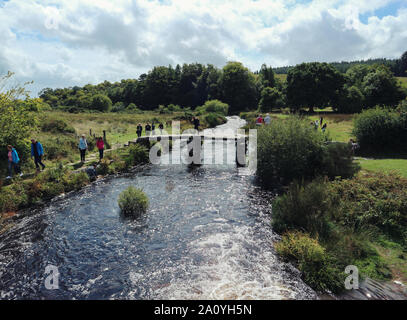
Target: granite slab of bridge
(213,137)
(237,138)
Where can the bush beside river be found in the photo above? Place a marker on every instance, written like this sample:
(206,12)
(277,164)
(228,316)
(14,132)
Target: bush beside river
(328,217)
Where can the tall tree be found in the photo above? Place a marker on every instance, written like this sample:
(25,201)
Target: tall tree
(238,87)
(380,87)
(266,76)
(403,65)
(313,85)
(157,90)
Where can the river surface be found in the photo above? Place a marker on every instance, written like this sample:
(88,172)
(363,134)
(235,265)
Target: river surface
(206,235)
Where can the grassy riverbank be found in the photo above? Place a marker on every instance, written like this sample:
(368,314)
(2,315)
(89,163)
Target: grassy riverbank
(327,226)
(59,179)
(330,216)
(59,132)
(340,127)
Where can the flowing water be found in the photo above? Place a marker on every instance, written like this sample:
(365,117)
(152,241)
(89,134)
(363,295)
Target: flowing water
(206,235)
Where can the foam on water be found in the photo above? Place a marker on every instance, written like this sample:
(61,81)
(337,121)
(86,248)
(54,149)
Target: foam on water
(206,235)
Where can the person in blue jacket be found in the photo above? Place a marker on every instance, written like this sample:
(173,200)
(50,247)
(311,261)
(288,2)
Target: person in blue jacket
(83,145)
(13,162)
(37,151)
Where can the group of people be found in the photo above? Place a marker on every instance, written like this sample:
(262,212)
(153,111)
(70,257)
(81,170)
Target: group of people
(260,121)
(149,129)
(37,152)
(83,146)
(318,123)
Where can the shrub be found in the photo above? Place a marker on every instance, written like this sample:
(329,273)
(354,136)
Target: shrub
(60,147)
(317,267)
(214,119)
(381,130)
(50,190)
(133,201)
(248,115)
(56,126)
(119,166)
(118,107)
(271,99)
(338,161)
(375,202)
(290,150)
(216,106)
(293,150)
(304,208)
(163,110)
(138,154)
(103,167)
(132,108)
(101,102)
(76,181)
(172,107)
(13,197)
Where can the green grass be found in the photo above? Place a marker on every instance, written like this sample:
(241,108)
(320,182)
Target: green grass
(281,77)
(403,81)
(395,256)
(385,165)
(340,126)
(120,128)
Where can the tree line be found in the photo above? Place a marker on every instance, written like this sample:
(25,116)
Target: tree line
(309,85)
(397,66)
(190,85)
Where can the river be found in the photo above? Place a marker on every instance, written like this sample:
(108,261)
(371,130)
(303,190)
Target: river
(206,235)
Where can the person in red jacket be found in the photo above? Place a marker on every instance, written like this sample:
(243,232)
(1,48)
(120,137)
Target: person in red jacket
(100,144)
(259,120)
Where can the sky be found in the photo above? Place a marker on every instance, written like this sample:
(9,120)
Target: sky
(74,42)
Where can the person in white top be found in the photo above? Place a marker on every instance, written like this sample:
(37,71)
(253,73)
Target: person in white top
(267,119)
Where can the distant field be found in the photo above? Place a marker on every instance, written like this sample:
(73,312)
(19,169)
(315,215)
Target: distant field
(281,77)
(403,81)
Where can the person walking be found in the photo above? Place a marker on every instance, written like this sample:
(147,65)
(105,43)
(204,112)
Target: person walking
(324,127)
(196,123)
(100,144)
(139,130)
(83,145)
(259,120)
(148,129)
(267,119)
(153,128)
(161,128)
(37,151)
(13,162)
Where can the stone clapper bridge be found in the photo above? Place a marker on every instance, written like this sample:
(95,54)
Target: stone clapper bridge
(241,142)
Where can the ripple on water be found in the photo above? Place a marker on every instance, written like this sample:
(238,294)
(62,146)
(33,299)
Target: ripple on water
(206,235)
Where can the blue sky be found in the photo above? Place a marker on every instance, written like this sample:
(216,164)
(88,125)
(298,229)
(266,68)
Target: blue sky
(75,42)
(389,10)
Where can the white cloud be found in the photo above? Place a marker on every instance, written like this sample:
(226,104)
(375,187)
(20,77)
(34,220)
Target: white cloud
(74,42)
